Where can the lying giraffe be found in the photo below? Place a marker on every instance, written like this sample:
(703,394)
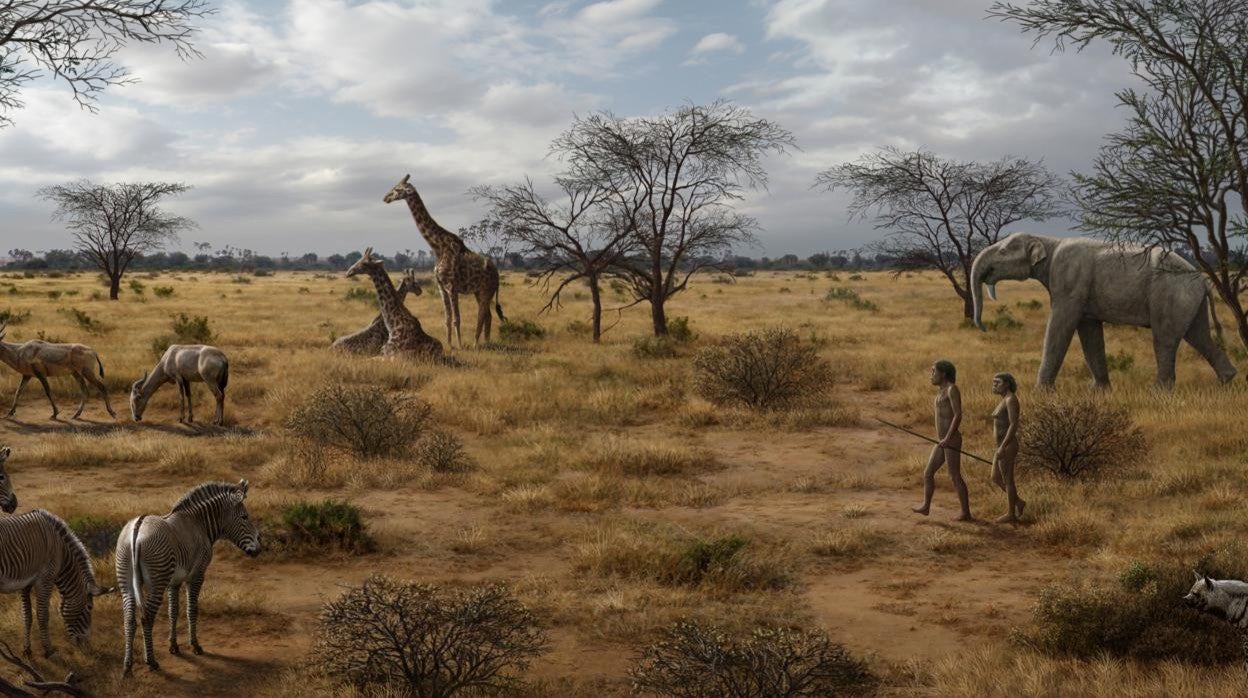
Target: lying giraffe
(458,269)
(371,339)
(407,337)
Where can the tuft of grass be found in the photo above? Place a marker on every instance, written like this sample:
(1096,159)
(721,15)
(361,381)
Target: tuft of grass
(520,331)
(329,524)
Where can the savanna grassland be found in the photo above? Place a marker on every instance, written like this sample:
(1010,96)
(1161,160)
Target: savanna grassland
(596,468)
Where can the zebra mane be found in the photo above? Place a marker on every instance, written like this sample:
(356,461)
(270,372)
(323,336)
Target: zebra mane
(77,551)
(207,492)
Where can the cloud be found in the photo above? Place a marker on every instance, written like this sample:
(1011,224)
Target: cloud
(714,43)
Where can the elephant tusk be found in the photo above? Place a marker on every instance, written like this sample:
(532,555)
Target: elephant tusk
(992,291)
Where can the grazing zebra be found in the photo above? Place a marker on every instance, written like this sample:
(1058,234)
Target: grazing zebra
(8,498)
(162,552)
(1226,599)
(38,551)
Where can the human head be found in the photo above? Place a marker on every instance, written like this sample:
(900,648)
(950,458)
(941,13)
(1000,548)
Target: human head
(1007,382)
(944,370)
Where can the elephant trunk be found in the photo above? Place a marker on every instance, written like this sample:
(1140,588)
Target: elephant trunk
(977,290)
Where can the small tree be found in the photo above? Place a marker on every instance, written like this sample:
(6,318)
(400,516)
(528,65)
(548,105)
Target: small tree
(427,641)
(362,419)
(669,180)
(1177,176)
(696,661)
(1077,437)
(940,213)
(771,369)
(113,224)
(76,41)
(572,241)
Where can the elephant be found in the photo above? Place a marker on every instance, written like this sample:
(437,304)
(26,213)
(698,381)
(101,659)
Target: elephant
(1091,282)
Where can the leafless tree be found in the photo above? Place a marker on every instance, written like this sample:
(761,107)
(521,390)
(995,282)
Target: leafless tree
(940,213)
(77,41)
(114,223)
(1177,176)
(422,640)
(670,180)
(70,686)
(573,240)
(1078,437)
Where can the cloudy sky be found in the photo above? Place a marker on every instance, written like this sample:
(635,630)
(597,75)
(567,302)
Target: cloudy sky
(303,113)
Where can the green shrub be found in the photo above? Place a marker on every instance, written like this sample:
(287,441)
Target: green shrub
(362,419)
(327,524)
(443,453)
(54,295)
(662,347)
(137,286)
(851,298)
(162,291)
(14,317)
(520,331)
(186,330)
(771,369)
(359,293)
(704,558)
(678,330)
(97,533)
(1003,321)
(695,661)
(82,319)
(1121,361)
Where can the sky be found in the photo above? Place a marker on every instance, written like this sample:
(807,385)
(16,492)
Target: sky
(302,114)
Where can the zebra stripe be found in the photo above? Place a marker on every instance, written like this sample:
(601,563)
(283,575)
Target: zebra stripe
(161,553)
(8,500)
(38,551)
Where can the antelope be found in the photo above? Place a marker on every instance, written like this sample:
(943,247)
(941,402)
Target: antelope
(41,359)
(181,365)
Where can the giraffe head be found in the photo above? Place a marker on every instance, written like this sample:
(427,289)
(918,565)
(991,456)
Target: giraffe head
(363,263)
(402,190)
(409,283)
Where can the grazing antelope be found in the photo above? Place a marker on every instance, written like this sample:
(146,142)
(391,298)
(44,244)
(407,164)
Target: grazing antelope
(161,553)
(38,551)
(371,339)
(183,364)
(8,498)
(40,359)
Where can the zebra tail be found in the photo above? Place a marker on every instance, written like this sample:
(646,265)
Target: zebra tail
(135,580)
(498,306)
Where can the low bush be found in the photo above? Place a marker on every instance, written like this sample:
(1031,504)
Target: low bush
(362,419)
(327,524)
(850,297)
(520,331)
(137,286)
(771,369)
(696,660)
(1075,437)
(443,453)
(186,330)
(14,317)
(649,347)
(162,291)
(403,638)
(82,319)
(679,331)
(359,293)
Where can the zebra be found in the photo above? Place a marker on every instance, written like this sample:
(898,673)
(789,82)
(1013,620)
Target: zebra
(8,498)
(38,551)
(1226,599)
(162,552)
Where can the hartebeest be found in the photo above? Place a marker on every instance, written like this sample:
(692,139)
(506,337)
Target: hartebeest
(41,359)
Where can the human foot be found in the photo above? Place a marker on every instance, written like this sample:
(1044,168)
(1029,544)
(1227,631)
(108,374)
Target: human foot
(964,516)
(1007,518)
(921,510)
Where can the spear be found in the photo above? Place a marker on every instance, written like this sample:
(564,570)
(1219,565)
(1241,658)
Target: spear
(926,438)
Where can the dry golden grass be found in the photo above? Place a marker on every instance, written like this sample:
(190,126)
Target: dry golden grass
(596,469)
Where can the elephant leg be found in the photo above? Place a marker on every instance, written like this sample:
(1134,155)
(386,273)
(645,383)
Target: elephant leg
(1165,349)
(1198,336)
(1057,336)
(1092,339)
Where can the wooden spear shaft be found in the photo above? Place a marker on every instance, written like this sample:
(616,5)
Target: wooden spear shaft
(928,438)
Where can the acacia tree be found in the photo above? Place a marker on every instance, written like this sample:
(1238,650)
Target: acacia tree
(1176,176)
(940,213)
(112,224)
(572,240)
(670,180)
(76,41)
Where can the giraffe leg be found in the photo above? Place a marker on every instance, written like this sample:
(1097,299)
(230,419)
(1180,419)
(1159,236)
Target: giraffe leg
(193,586)
(82,388)
(483,319)
(446,313)
(459,338)
(21,384)
(26,618)
(173,619)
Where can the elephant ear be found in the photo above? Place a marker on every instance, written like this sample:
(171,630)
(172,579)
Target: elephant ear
(1036,252)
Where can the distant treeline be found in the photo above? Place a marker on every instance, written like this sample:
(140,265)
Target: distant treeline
(245,261)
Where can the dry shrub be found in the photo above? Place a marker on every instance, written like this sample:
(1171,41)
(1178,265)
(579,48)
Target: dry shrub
(443,453)
(404,638)
(770,369)
(1074,437)
(700,660)
(326,525)
(1140,616)
(362,419)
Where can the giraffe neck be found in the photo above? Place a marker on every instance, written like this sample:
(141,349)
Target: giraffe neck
(443,241)
(391,306)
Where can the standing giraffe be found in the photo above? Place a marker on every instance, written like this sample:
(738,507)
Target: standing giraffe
(458,270)
(407,337)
